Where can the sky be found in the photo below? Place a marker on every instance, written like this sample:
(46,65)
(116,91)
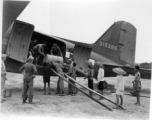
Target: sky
(87,20)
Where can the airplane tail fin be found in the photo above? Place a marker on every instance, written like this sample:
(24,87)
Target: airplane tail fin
(118,43)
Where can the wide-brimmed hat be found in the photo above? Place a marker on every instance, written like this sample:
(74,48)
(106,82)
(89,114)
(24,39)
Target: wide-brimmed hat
(30,59)
(90,65)
(99,64)
(119,71)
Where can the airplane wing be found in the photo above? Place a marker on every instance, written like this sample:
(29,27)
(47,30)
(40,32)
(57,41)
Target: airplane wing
(11,10)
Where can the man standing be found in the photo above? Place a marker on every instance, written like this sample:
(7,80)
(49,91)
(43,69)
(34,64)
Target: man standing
(137,84)
(60,83)
(100,78)
(46,77)
(3,76)
(29,72)
(90,75)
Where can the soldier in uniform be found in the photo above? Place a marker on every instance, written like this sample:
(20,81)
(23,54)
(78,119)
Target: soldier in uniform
(29,74)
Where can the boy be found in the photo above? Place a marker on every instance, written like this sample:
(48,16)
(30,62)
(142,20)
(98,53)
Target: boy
(137,84)
(46,77)
(119,86)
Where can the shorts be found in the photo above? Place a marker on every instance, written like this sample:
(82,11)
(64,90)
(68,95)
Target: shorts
(137,92)
(46,79)
(101,85)
(119,92)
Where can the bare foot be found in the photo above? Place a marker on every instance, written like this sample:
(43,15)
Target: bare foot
(137,104)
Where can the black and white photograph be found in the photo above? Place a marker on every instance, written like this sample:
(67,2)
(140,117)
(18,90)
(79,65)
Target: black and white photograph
(76,59)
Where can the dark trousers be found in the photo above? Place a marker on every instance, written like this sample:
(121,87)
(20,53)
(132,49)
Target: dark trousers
(28,85)
(90,84)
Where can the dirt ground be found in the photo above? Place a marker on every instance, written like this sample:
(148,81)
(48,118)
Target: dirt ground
(79,106)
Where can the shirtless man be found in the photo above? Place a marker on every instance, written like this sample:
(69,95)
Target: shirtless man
(56,50)
(39,51)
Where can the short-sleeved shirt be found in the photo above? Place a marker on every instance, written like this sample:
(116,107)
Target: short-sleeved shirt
(100,76)
(29,68)
(119,84)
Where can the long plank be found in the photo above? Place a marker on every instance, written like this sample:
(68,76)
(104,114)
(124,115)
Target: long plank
(93,91)
(82,91)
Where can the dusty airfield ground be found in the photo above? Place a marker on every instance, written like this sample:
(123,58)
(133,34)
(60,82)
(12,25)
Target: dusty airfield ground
(79,106)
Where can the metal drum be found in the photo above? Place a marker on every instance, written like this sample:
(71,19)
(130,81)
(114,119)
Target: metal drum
(52,58)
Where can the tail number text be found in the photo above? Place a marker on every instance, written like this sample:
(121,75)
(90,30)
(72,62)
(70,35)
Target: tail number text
(107,45)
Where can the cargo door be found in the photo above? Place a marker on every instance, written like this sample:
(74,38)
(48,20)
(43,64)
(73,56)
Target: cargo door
(19,40)
(127,43)
(80,55)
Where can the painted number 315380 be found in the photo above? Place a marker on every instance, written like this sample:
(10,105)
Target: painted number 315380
(107,45)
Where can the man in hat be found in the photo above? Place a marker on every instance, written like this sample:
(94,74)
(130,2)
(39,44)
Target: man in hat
(100,78)
(137,84)
(119,86)
(29,74)
(3,76)
(90,75)
(56,50)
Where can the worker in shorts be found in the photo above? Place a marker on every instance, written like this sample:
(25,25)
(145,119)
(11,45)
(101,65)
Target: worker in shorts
(119,86)
(137,84)
(46,77)
(100,78)
(29,75)
(90,75)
